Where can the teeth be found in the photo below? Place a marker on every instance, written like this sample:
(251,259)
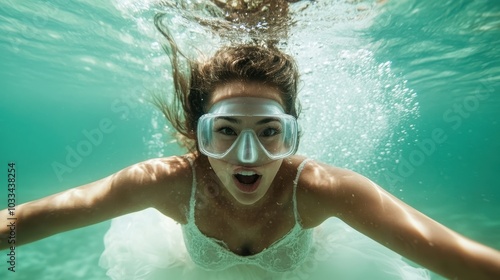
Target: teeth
(246,173)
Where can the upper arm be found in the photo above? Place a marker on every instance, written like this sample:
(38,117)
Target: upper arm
(376,213)
(153,183)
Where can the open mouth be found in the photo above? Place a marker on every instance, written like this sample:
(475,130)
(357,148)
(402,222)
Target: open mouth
(247,181)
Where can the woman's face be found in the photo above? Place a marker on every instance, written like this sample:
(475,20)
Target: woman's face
(246,182)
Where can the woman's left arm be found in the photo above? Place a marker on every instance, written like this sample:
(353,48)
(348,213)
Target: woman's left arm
(371,210)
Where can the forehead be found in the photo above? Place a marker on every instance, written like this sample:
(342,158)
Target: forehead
(244,89)
(248,106)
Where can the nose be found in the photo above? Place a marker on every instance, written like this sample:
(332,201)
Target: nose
(248,149)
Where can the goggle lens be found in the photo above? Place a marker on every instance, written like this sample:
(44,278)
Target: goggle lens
(265,137)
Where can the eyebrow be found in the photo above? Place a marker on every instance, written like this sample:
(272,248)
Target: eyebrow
(238,121)
(229,119)
(268,120)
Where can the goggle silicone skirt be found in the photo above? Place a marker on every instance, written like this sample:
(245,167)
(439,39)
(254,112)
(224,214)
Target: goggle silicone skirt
(247,138)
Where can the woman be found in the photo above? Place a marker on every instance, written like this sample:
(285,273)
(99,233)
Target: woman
(241,195)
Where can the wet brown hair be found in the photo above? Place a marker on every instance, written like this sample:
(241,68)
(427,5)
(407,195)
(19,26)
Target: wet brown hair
(195,80)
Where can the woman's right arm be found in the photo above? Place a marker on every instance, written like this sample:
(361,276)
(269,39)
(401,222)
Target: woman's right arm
(154,183)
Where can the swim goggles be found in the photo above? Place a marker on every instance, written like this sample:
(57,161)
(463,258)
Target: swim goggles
(247,130)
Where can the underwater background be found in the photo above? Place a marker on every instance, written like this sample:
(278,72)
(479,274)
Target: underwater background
(405,92)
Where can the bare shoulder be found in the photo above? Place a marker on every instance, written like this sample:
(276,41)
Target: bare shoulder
(158,169)
(162,183)
(326,191)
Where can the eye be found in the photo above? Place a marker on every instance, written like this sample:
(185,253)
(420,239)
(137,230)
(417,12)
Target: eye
(270,131)
(226,131)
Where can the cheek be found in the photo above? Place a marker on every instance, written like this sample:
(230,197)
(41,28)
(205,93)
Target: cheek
(221,169)
(272,169)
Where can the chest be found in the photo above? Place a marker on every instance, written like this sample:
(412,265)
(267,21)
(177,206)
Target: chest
(243,233)
(280,254)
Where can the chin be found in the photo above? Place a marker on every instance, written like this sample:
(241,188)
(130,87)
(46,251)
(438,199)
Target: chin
(247,202)
(247,199)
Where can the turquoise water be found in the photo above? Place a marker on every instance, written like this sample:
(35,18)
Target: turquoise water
(406,93)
